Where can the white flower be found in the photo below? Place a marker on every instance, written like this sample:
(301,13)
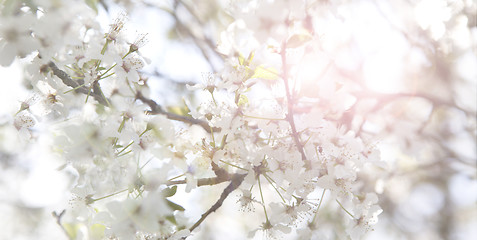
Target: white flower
(140,41)
(133,215)
(128,68)
(24,120)
(80,203)
(117,26)
(16,38)
(271,231)
(246,201)
(366,212)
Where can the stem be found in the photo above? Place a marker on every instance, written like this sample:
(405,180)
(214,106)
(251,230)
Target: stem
(109,69)
(264,118)
(233,165)
(270,181)
(125,148)
(105,46)
(345,209)
(261,195)
(126,55)
(89,93)
(212,134)
(223,142)
(290,102)
(110,195)
(109,75)
(213,98)
(125,153)
(144,165)
(75,70)
(145,131)
(235,182)
(74,89)
(67,80)
(319,205)
(176,177)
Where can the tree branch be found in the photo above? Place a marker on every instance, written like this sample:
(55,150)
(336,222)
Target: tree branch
(157,109)
(67,80)
(202,181)
(96,93)
(290,102)
(58,220)
(237,180)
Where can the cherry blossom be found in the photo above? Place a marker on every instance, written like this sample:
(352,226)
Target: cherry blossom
(283,119)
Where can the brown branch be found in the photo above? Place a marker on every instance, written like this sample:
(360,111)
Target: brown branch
(236,180)
(67,80)
(157,109)
(96,93)
(386,98)
(202,181)
(290,103)
(58,221)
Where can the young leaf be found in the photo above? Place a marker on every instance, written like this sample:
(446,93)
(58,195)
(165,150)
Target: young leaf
(265,73)
(169,192)
(174,206)
(241,59)
(248,61)
(71,229)
(171,219)
(298,40)
(250,58)
(243,100)
(93,4)
(97,231)
(179,110)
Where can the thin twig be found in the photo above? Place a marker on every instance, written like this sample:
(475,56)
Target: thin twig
(237,179)
(67,80)
(58,220)
(157,109)
(290,102)
(97,94)
(202,181)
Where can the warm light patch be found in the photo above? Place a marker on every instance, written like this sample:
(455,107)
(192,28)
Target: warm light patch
(383,72)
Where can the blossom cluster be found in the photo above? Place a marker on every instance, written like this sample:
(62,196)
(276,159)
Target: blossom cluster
(256,126)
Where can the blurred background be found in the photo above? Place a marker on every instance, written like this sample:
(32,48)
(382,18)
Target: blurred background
(414,64)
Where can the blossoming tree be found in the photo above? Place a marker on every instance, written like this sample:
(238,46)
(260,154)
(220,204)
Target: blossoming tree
(286,125)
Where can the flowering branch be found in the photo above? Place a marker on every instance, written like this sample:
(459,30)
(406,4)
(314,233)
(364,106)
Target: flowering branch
(290,102)
(206,181)
(236,181)
(67,80)
(157,109)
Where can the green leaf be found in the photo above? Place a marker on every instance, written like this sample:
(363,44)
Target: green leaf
(174,206)
(265,73)
(248,61)
(179,110)
(100,109)
(298,40)
(97,231)
(250,58)
(71,229)
(93,4)
(169,192)
(241,59)
(243,100)
(171,219)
